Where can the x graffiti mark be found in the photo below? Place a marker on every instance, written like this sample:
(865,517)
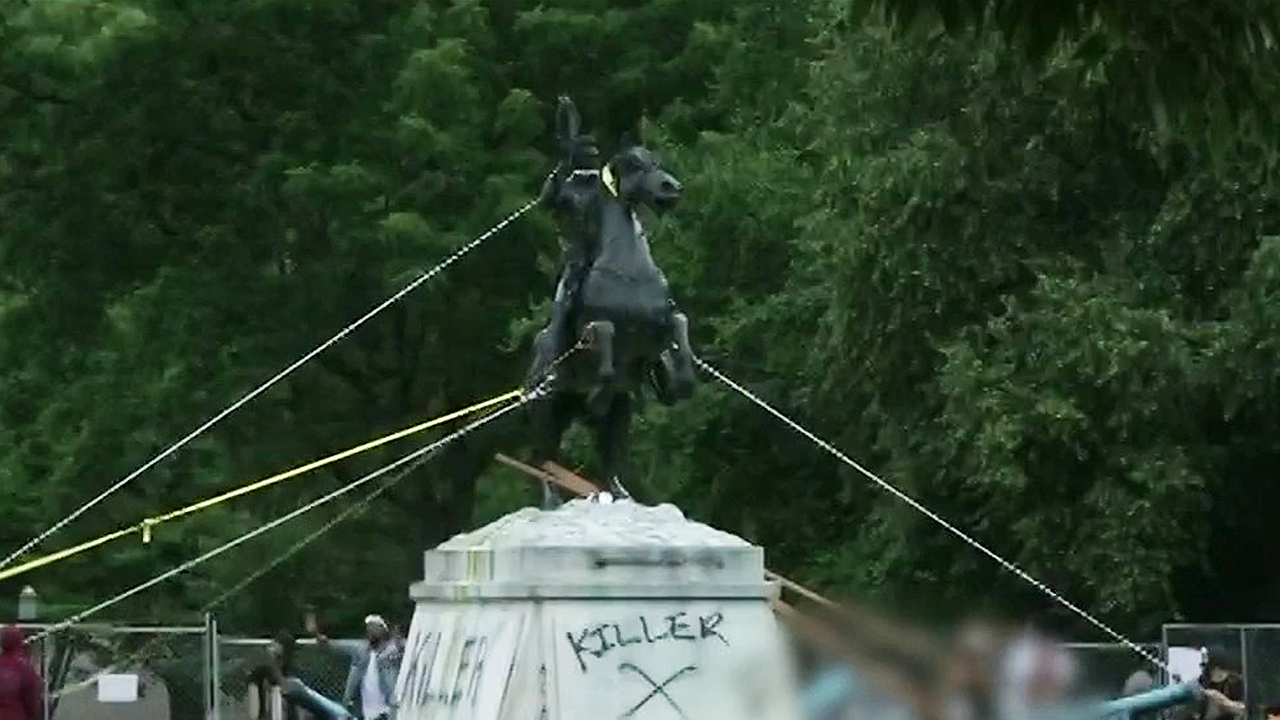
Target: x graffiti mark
(658,688)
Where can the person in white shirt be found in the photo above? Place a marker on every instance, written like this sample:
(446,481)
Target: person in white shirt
(375,664)
(1036,674)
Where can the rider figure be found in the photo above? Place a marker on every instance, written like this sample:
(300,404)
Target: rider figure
(571,192)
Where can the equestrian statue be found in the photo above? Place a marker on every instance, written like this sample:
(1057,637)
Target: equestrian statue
(614,329)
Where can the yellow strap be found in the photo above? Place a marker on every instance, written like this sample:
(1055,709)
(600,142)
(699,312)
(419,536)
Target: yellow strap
(147,525)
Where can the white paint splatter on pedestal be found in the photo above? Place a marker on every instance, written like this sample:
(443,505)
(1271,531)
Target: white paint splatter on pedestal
(595,612)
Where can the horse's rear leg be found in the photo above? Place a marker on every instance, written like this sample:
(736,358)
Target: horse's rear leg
(543,356)
(683,377)
(551,417)
(613,440)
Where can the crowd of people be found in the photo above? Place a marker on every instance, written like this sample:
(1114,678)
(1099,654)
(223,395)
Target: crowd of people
(1032,675)
(988,675)
(991,671)
(369,694)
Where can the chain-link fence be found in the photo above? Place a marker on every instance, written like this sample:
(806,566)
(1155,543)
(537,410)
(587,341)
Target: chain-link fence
(176,671)
(170,664)
(321,670)
(1104,667)
(1251,651)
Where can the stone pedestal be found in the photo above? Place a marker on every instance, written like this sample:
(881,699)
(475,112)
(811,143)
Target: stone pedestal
(595,612)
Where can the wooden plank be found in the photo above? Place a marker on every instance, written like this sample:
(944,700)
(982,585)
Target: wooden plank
(570,478)
(564,478)
(526,469)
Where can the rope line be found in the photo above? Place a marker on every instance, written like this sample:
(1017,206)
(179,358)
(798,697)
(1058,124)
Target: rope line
(294,549)
(148,524)
(440,267)
(297,547)
(1006,564)
(141,652)
(359,507)
(324,499)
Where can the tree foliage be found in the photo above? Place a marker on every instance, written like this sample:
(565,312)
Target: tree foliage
(1204,69)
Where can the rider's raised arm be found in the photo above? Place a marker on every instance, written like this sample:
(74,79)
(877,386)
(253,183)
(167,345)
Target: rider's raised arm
(551,196)
(578,152)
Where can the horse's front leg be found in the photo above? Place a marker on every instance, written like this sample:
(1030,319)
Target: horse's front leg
(683,378)
(600,335)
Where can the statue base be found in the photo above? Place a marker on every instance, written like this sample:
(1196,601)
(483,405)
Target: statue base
(594,612)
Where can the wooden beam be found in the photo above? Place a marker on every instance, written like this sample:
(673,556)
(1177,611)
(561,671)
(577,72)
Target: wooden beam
(570,478)
(553,474)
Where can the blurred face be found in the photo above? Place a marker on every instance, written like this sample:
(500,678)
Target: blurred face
(1217,674)
(374,632)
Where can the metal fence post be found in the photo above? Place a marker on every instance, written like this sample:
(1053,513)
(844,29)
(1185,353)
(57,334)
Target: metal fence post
(1244,667)
(215,685)
(44,675)
(204,669)
(1167,676)
(212,711)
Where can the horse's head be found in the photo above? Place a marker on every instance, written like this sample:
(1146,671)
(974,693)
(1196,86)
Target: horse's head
(637,177)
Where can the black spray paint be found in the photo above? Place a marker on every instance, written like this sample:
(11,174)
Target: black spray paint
(598,640)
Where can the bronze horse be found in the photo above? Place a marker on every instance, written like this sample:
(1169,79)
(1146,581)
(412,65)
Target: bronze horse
(625,326)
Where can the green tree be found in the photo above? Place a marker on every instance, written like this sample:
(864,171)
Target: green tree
(1201,68)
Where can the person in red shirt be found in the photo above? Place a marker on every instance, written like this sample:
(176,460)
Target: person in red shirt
(20,685)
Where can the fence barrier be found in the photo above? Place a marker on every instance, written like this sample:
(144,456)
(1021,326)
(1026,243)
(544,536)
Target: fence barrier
(183,672)
(1253,650)
(1104,667)
(194,672)
(170,663)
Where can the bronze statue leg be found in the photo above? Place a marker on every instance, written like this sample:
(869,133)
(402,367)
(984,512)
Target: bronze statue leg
(551,417)
(543,356)
(613,438)
(557,330)
(662,379)
(600,334)
(683,377)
